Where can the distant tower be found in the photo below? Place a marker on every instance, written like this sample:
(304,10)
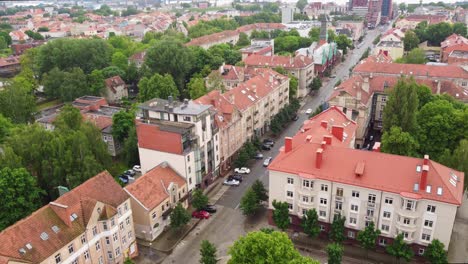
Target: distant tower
(287,14)
(323,30)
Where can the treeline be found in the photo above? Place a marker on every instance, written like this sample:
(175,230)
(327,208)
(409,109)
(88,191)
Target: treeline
(436,33)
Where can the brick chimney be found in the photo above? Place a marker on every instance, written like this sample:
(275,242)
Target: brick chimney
(423,182)
(337,131)
(318,158)
(376,147)
(426,160)
(287,144)
(324,124)
(327,139)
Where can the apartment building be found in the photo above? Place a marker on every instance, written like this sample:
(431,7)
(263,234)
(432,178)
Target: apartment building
(454,44)
(416,197)
(182,133)
(301,67)
(394,49)
(115,89)
(374,13)
(246,109)
(153,197)
(90,224)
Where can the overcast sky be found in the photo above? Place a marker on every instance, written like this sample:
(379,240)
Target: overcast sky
(398,1)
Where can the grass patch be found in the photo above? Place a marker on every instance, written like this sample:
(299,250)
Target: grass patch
(47,104)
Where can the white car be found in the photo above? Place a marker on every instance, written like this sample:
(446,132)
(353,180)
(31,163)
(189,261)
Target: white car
(242,170)
(309,111)
(137,168)
(231,182)
(267,162)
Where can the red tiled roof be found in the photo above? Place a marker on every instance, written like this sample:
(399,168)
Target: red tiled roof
(80,201)
(151,188)
(151,137)
(276,61)
(99,121)
(386,172)
(431,19)
(221,105)
(114,82)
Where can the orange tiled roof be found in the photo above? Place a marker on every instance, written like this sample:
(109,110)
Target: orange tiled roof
(276,61)
(166,141)
(151,188)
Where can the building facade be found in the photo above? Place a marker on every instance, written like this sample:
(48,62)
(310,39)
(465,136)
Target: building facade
(90,224)
(115,89)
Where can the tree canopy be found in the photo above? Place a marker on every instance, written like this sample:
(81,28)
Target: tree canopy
(435,252)
(281,215)
(310,223)
(199,200)
(399,249)
(179,216)
(208,253)
(158,86)
(337,229)
(411,40)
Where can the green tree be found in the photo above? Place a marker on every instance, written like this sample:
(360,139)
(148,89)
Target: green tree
(266,248)
(169,56)
(314,34)
(67,85)
(215,82)
(458,160)
(17,102)
(129,261)
(249,203)
(395,141)
(301,4)
(242,158)
(316,84)
(460,29)
(411,40)
(5,127)
(399,249)
(120,60)
(122,122)
(179,216)
(199,200)
(96,82)
(421,31)
(260,191)
(293,85)
(208,253)
(335,253)
(368,237)
(435,252)
(343,43)
(112,71)
(402,7)
(157,86)
(281,214)
(196,87)
(401,107)
(331,35)
(226,52)
(437,33)
(130,149)
(6,37)
(243,40)
(20,195)
(310,223)
(415,56)
(3,43)
(337,229)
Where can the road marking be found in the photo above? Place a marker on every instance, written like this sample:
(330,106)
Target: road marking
(237,206)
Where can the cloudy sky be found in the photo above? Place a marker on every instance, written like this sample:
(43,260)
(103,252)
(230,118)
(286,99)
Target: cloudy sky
(398,1)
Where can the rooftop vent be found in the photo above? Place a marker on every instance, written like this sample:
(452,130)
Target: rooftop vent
(29,246)
(439,190)
(56,229)
(44,236)
(22,251)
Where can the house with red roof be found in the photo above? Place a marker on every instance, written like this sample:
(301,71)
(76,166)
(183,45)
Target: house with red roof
(415,197)
(115,89)
(454,49)
(91,223)
(411,21)
(153,197)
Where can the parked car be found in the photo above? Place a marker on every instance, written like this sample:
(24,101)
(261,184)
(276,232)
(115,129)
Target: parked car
(242,170)
(210,208)
(266,147)
(201,214)
(137,168)
(259,156)
(130,172)
(333,76)
(231,182)
(236,177)
(295,118)
(268,141)
(308,111)
(123,179)
(267,162)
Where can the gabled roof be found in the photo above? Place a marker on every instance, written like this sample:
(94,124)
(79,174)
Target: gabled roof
(80,202)
(287,62)
(113,82)
(151,189)
(221,105)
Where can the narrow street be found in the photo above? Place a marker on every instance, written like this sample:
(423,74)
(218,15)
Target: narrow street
(224,227)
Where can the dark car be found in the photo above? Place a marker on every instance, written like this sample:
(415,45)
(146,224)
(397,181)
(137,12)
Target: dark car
(123,178)
(268,141)
(266,147)
(295,118)
(236,177)
(210,208)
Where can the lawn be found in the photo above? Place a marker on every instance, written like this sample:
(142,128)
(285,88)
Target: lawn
(47,104)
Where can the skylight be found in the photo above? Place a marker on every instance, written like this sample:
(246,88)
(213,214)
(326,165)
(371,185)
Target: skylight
(29,246)
(73,217)
(44,236)
(56,229)
(428,188)
(418,168)
(416,187)
(251,98)
(22,251)
(243,91)
(439,190)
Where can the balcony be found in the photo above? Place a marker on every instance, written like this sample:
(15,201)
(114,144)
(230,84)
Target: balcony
(339,198)
(408,228)
(369,218)
(338,211)
(370,205)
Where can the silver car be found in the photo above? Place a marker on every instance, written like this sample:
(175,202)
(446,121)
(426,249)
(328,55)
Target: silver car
(267,162)
(231,182)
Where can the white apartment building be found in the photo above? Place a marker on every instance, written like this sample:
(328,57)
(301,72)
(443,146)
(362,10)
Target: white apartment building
(413,196)
(182,133)
(90,224)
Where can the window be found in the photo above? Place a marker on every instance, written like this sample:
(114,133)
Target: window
(428,223)
(426,237)
(386,214)
(289,194)
(371,198)
(190,180)
(355,194)
(370,212)
(324,187)
(368,223)
(112,222)
(162,207)
(351,234)
(382,242)
(188,158)
(464,83)
(120,211)
(338,205)
(98,246)
(306,183)
(187,118)
(124,240)
(352,220)
(107,240)
(290,206)
(322,213)
(95,231)
(101,260)
(75,261)
(405,234)
(130,234)
(385,228)
(354,207)
(322,228)
(86,255)
(406,221)
(117,252)
(305,199)
(431,208)
(189,169)
(127,220)
(121,225)
(421,251)
(58,258)
(83,239)
(388,200)
(109,254)
(70,249)
(290,181)
(304,211)
(115,237)
(323,201)
(409,205)
(125,207)
(339,192)
(104,225)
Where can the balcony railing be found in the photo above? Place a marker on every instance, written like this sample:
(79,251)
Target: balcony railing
(371,205)
(339,198)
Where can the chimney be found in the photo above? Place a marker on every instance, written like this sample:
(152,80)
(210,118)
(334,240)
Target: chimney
(324,124)
(323,144)
(287,144)
(327,139)
(170,99)
(186,101)
(385,52)
(426,160)
(337,131)
(376,147)
(318,158)
(423,182)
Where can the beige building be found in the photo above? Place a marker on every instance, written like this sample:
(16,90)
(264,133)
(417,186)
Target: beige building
(401,195)
(153,196)
(246,109)
(394,49)
(115,89)
(90,224)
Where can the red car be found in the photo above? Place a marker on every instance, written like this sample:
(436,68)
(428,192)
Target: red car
(201,214)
